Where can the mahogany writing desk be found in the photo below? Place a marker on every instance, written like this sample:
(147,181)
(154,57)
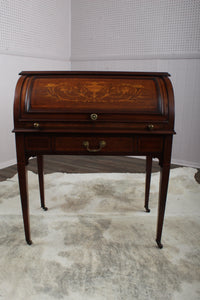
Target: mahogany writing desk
(94,113)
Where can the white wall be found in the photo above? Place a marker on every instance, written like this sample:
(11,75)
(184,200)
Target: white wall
(143,35)
(35,35)
(185,78)
(11,65)
(149,35)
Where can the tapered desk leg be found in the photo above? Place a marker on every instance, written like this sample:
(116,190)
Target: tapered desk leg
(148,181)
(164,179)
(23,185)
(40,165)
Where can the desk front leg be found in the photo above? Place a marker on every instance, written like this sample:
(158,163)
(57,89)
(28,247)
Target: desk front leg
(164,180)
(23,184)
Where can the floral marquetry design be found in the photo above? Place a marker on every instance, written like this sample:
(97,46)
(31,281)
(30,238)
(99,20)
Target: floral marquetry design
(93,91)
(92,94)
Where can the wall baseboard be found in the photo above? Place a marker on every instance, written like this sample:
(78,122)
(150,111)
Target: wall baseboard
(176,162)
(8,163)
(186,163)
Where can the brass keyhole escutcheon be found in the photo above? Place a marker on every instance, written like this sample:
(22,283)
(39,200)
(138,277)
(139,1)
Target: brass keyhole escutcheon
(93,117)
(36,125)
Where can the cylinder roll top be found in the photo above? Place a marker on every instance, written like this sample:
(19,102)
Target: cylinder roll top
(96,101)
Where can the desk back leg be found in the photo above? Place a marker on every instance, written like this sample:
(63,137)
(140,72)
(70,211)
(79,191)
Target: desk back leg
(148,181)
(40,165)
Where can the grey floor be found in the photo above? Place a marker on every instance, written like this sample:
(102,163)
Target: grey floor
(85,164)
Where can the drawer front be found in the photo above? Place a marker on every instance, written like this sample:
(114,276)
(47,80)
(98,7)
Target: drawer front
(150,144)
(95,144)
(39,143)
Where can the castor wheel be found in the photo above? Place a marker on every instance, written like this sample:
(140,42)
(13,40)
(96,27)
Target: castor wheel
(147,210)
(29,242)
(44,207)
(160,245)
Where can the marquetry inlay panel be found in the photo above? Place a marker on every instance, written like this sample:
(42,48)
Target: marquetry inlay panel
(125,94)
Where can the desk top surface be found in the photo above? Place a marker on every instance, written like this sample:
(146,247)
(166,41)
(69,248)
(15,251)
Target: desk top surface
(104,73)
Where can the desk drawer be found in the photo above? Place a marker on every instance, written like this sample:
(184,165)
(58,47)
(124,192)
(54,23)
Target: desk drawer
(150,144)
(95,144)
(38,143)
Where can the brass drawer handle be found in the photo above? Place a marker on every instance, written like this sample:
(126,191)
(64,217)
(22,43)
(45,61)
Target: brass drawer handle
(36,125)
(93,117)
(86,144)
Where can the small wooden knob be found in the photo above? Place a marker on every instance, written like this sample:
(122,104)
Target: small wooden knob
(36,125)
